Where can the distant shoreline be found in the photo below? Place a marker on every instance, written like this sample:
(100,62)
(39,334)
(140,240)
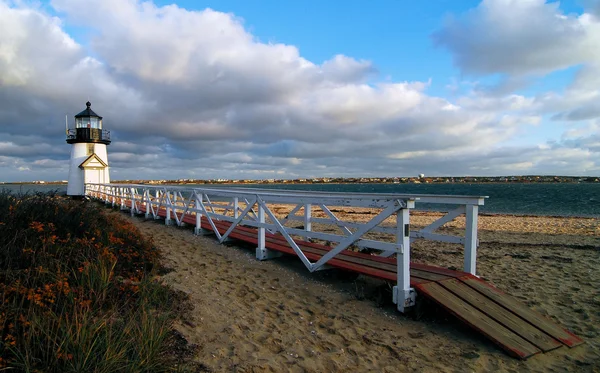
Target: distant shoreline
(403,180)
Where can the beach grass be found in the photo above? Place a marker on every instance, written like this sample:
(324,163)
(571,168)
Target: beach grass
(80,291)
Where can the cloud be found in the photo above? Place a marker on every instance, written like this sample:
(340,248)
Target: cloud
(520,37)
(580,100)
(195,94)
(523,40)
(345,69)
(593,7)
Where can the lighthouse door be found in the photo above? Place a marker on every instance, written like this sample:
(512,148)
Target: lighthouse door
(93,175)
(94,170)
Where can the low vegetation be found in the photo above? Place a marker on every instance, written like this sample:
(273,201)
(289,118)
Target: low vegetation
(79,292)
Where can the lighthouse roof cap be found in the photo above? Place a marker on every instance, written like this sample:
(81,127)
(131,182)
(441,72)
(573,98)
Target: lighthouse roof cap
(88,112)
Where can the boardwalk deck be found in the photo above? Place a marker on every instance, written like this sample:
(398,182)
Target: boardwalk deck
(515,328)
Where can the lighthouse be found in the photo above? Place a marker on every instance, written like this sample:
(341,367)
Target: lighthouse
(89,160)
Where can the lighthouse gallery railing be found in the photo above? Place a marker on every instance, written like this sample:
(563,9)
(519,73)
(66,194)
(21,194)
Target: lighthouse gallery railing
(386,232)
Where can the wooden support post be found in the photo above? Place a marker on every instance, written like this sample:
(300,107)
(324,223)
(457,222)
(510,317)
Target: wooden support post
(471,215)
(403,294)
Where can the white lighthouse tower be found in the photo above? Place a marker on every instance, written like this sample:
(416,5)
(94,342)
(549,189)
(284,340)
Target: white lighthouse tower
(89,160)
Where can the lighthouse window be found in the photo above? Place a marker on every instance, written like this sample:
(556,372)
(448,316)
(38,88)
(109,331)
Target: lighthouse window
(88,122)
(90,149)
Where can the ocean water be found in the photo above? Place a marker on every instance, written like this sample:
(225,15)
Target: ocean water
(558,199)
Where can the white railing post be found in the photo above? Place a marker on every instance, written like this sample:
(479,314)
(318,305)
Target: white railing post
(174,202)
(122,198)
(157,199)
(471,217)
(236,213)
(198,229)
(403,294)
(168,206)
(262,253)
(147,202)
(307,217)
(133,201)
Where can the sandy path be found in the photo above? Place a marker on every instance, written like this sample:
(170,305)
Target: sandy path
(274,316)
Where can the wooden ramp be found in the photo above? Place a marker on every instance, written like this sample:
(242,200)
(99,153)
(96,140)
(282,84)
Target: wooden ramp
(507,322)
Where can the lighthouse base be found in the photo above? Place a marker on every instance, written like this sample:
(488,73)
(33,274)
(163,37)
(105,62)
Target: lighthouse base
(88,165)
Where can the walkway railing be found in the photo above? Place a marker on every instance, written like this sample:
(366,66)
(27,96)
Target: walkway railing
(386,232)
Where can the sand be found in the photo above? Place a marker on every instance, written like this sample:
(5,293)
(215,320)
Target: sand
(275,316)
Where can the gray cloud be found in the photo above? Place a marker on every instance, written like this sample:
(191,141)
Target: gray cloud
(593,7)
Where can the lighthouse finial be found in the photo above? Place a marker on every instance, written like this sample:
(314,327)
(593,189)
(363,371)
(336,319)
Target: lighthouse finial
(88,104)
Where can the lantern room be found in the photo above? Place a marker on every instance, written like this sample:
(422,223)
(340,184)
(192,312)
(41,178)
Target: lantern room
(88,128)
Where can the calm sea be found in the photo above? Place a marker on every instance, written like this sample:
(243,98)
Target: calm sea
(561,199)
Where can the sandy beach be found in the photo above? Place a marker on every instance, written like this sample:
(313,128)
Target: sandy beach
(275,316)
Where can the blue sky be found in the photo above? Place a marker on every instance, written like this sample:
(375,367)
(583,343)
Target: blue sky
(266,89)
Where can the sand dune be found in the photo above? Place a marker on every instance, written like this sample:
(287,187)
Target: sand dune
(275,316)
